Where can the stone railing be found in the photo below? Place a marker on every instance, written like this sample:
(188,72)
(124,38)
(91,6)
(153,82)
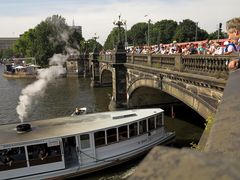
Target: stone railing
(198,64)
(105,57)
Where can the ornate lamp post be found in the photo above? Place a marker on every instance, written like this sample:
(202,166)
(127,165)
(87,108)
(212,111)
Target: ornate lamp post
(119,23)
(119,57)
(95,37)
(196,32)
(148,36)
(125,33)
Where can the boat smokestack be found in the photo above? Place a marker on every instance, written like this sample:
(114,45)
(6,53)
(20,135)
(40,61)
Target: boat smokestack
(24,127)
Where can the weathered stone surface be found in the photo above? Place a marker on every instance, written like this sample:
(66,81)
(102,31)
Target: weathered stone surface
(180,164)
(224,137)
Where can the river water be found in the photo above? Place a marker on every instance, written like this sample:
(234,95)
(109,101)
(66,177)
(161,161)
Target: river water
(65,94)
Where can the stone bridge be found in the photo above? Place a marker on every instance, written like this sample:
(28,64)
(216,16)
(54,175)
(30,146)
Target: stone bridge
(202,83)
(196,80)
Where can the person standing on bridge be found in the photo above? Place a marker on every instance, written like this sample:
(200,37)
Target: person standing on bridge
(233,30)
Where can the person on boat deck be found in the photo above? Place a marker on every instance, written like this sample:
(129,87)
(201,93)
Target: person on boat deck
(42,154)
(77,112)
(233,30)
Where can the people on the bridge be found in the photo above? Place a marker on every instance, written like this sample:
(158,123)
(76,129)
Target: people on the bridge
(200,49)
(219,49)
(230,47)
(233,30)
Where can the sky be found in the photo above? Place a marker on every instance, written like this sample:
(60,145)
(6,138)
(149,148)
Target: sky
(97,16)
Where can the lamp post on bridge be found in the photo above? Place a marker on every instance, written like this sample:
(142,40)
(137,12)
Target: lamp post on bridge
(95,37)
(196,32)
(219,30)
(148,36)
(95,64)
(119,24)
(119,96)
(126,42)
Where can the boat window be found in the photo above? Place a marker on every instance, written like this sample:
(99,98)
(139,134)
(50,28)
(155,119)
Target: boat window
(44,153)
(142,127)
(99,138)
(122,133)
(159,120)
(151,123)
(85,141)
(12,158)
(111,135)
(133,130)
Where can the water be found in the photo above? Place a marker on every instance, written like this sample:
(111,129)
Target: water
(64,95)
(61,98)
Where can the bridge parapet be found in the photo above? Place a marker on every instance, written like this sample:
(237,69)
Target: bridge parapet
(106,57)
(209,65)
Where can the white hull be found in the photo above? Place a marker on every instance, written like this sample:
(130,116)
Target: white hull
(106,162)
(74,154)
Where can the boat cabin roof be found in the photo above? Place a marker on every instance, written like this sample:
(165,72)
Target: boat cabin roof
(67,126)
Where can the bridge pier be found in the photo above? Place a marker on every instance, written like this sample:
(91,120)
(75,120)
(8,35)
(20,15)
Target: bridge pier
(94,63)
(76,66)
(119,95)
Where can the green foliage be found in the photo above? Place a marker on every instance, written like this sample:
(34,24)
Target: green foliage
(137,35)
(214,35)
(92,44)
(163,31)
(47,38)
(209,123)
(195,146)
(8,53)
(112,38)
(185,31)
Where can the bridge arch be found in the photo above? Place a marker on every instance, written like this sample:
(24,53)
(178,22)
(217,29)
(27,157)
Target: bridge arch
(189,98)
(106,77)
(105,71)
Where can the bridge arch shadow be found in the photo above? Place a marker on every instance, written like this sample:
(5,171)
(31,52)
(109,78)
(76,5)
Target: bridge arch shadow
(106,77)
(147,91)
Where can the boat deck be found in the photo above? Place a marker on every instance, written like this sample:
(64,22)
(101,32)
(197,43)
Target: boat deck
(65,126)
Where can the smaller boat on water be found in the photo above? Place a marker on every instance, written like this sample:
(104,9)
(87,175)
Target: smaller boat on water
(70,146)
(79,111)
(19,71)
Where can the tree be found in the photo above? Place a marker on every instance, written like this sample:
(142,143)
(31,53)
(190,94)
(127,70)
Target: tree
(163,31)
(202,34)
(7,53)
(137,35)
(214,35)
(112,38)
(75,39)
(49,37)
(186,31)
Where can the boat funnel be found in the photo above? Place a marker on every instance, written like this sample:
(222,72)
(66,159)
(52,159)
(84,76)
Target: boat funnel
(22,128)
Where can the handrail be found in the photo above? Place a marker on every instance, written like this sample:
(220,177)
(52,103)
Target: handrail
(215,66)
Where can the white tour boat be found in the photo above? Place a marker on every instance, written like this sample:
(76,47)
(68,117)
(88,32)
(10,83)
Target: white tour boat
(70,146)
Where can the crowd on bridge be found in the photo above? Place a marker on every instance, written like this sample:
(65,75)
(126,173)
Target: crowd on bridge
(212,47)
